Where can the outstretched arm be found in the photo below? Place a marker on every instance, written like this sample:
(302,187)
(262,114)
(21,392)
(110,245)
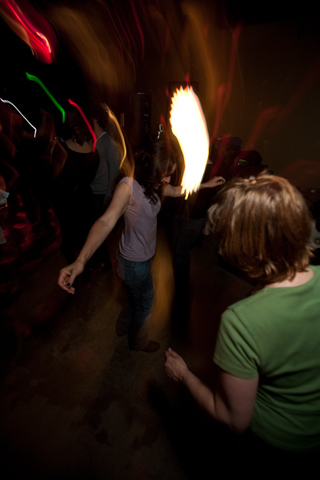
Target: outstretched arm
(171,191)
(98,233)
(232,403)
(213,182)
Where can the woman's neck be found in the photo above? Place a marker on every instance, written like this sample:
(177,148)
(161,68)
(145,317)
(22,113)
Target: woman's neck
(300,278)
(76,147)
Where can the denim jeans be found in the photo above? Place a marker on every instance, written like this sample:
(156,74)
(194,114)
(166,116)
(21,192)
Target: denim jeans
(137,279)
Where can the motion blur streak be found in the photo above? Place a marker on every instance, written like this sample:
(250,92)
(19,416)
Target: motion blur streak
(198,42)
(86,122)
(300,171)
(92,40)
(33,78)
(189,126)
(261,124)
(123,143)
(163,31)
(7,101)
(310,78)
(224,91)
(138,24)
(38,33)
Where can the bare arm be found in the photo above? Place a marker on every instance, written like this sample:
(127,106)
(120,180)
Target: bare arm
(171,191)
(213,182)
(98,233)
(233,401)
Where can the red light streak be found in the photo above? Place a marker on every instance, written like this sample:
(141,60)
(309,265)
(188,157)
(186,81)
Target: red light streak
(138,26)
(86,122)
(29,32)
(263,120)
(310,77)
(224,91)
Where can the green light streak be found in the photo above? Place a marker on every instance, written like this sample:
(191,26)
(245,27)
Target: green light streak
(37,80)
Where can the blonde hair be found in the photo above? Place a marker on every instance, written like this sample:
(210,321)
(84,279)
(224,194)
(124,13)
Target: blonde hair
(263,226)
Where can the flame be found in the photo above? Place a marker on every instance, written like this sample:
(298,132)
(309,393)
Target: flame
(190,127)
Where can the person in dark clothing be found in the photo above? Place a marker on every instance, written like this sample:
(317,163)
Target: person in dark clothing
(72,195)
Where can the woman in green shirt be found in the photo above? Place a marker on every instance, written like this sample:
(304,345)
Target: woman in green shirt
(268,344)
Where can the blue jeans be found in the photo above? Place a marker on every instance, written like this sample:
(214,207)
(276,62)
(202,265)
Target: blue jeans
(137,279)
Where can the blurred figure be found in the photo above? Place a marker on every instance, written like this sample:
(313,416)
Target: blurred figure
(29,228)
(188,223)
(138,199)
(103,184)
(267,350)
(72,195)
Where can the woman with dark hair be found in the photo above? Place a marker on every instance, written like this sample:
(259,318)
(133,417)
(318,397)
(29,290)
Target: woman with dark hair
(72,195)
(138,199)
(268,344)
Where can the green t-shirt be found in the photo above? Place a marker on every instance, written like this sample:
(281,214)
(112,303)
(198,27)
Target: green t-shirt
(275,334)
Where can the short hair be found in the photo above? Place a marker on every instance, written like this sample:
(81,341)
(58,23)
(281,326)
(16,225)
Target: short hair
(263,227)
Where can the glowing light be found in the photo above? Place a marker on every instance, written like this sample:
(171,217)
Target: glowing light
(111,115)
(189,126)
(92,42)
(10,103)
(86,122)
(18,18)
(37,80)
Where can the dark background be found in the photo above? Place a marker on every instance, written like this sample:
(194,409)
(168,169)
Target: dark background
(269,76)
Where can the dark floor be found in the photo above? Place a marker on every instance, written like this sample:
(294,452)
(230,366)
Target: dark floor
(77,404)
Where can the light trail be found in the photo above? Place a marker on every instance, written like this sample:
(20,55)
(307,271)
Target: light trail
(86,122)
(190,127)
(33,78)
(10,103)
(112,115)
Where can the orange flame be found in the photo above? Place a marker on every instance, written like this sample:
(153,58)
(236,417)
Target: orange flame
(190,127)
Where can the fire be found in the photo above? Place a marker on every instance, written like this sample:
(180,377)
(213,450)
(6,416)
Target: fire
(190,127)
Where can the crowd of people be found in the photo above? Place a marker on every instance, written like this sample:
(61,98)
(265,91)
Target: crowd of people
(54,186)
(137,198)
(267,347)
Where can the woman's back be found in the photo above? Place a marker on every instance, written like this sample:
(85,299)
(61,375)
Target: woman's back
(276,334)
(138,239)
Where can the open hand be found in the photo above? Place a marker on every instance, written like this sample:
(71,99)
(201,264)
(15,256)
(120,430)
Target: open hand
(175,365)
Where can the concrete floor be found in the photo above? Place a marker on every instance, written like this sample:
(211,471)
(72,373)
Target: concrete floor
(77,404)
